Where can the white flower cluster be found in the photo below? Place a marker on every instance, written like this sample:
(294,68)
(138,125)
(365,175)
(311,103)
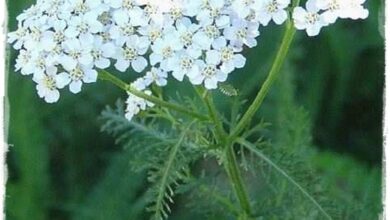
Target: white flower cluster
(135,104)
(321,13)
(62,42)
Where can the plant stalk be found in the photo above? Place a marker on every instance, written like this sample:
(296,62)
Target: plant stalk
(272,76)
(233,171)
(104,75)
(230,162)
(232,166)
(213,114)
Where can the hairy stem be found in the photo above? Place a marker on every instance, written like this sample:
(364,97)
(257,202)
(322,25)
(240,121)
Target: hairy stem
(272,76)
(104,75)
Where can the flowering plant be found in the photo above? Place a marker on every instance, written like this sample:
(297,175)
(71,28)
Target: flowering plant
(68,43)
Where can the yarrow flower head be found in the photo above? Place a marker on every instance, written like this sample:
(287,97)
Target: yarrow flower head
(309,19)
(65,42)
(273,10)
(335,9)
(321,13)
(134,103)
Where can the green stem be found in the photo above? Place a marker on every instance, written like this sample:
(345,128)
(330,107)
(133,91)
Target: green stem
(104,75)
(272,76)
(232,166)
(230,163)
(233,171)
(213,113)
(215,117)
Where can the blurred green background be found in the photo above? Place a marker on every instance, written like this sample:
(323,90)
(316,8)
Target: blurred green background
(62,167)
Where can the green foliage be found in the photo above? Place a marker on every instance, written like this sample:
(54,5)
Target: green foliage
(28,175)
(165,155)
(282,179)
(340,81)
(61,167)
(356,185)
(287,174)
(113,197)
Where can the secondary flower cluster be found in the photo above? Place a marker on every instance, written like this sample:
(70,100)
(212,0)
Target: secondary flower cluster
(321,13)
(63,42)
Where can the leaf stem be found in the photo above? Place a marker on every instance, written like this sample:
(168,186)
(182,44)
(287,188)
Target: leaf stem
(104,75)
(272,76)
(165,181)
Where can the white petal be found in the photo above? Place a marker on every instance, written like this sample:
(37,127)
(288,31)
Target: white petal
(223,21)
(62,80)
(299,14)
(109,50)
(71,32)
(155,58)
(68,63)
(221,76)
(264,18)
(229,33)
(139,64)
(179,75)
(213,57)
(251,42)
(86,59)
(161,82)
(120,17)
(115,32)
(330,17)
(280,17)
(52,96)
(210,83)
(102,63)
(48,43)
(197,79)
(193,72)
(38,77)
(122,65)
(313,30)
(90,76)
(202,40)
(239,61)
(227,67)
(75,86)
(311,5)
(95,26)
(42,90)
(219,43)
(86,38)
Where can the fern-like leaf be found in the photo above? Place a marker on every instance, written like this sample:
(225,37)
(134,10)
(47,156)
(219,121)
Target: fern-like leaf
(257,152)
(166,176)
(166,154)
